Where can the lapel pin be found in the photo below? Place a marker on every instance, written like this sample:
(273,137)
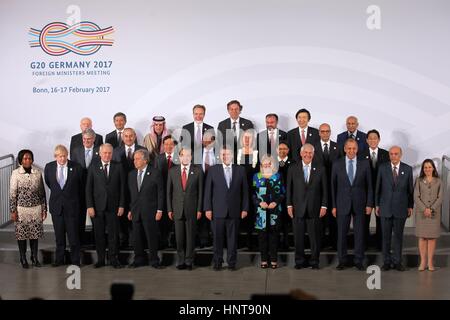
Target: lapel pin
(310,134)
(70,169)
(367,157)
(357,139)
(101,168)
(314,169)
(403,172)
(148,173)
(334,148)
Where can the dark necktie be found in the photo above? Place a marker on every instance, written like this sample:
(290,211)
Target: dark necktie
(105,170)
(140,179)
(129,154)
(395,174)
(184,179)
(326,152)
(169,161)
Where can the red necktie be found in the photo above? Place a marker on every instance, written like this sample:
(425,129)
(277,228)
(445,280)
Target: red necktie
(184,179)
(169,161)
(303,137)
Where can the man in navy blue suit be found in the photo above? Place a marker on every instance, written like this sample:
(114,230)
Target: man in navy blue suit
(353,132)
(225,203)
(65,181)
(394,200)
(352,196)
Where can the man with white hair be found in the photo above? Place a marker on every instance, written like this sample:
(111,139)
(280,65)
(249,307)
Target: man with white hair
(77,140)
(352,125)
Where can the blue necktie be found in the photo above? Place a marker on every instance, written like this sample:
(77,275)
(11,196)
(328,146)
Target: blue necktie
(350,171)
(305,173)
(228,176)
(61,176)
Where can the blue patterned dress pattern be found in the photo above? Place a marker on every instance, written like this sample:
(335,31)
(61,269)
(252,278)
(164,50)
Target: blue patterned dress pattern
(267,190)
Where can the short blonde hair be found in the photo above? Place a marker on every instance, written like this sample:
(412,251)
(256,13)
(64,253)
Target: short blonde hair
(60,149)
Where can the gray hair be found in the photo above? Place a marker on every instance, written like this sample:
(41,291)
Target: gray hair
(269,158)
(144,153)
(106,145)
(306,146)
(89,133)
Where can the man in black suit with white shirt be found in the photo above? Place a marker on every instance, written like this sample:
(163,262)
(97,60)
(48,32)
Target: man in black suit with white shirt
(297,137)
(269,139)
(105,200)
(146,208)
(234,126)
(115,138)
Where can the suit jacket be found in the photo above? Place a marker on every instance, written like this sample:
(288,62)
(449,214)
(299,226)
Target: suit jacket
(190,127)
(78,156)
(120,155)
(346,196)
(382,157)
(394,199)
(77,141)
(162,166)
(111,138)
(295,142)
(306,198)
(360,139)
(67,198)
(225,125)
(105,194)
(185,203)
(334,153)
(263,139)
(150,198)
(223,201)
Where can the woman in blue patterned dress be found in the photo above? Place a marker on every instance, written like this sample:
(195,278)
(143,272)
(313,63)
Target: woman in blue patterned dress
(268,193)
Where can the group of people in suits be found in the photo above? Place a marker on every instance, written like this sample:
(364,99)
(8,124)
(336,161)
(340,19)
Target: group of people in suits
(233,180)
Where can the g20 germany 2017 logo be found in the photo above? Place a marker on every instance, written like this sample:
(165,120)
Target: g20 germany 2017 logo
(83,38)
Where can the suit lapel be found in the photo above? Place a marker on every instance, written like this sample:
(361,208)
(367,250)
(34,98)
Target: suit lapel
(190,176)
(147,174)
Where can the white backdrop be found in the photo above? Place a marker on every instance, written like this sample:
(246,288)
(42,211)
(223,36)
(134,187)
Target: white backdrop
(273,56)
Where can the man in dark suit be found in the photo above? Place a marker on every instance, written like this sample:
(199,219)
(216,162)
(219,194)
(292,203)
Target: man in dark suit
(184,205)
(307,201)
(394,200)
(192,136)
(326,153)
(115,137)
(225,202)
(124,155)
(64,178)
(77,140)
(353,132)
(284,163)
(105,200)
(164,162)
(85,155)
(147,197)
(376,156)
(297,137)
(267,140)
(235,126)
(352,196)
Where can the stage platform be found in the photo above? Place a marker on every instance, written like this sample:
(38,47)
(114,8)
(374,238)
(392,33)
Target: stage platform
(205,283)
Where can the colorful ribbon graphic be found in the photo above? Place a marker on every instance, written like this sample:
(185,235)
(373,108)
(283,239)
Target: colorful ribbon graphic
(58,38)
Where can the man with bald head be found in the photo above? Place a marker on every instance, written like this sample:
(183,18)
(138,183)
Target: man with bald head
(77,140)
(353,132)
(327,152)
(394,200)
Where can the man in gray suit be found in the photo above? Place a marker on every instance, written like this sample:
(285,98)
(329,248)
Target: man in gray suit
(394,200)
(184,205)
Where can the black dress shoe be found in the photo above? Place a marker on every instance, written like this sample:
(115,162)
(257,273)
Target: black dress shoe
(340,266)
(57,264)
(232,267)
(24,263)
(315,266)
(399,267)
(181,266)
(156,266)
(116,264)
(189,267)
(386,267)
(134,264)
(359,266)
(99,265)
(217,266)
